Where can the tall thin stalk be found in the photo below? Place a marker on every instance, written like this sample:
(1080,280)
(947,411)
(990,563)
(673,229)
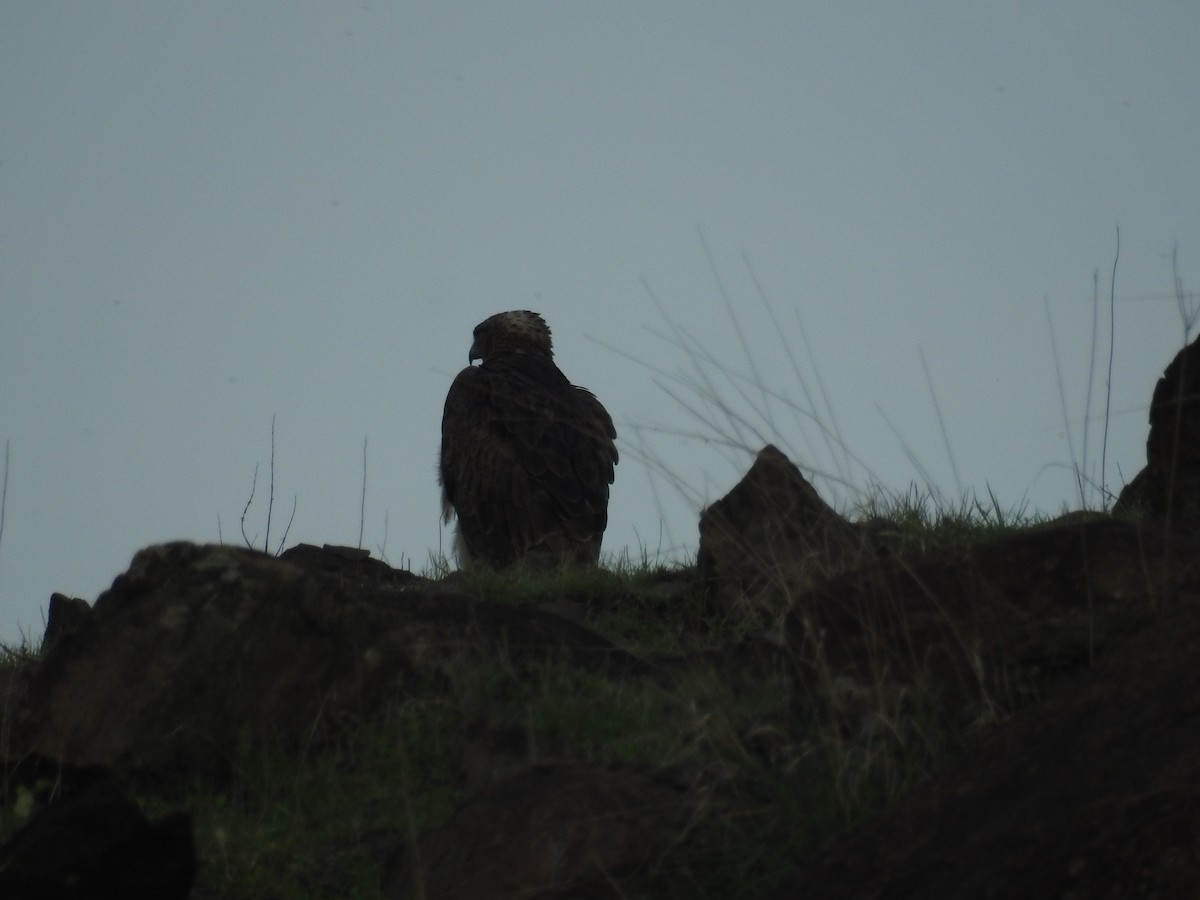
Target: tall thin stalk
(1112,334)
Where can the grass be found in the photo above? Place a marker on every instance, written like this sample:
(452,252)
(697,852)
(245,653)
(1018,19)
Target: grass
(305,828)
(308,827)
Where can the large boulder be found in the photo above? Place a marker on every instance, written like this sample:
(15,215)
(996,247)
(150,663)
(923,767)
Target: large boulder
(198,651)
(988,627)
(1169,485)
(773,534)
(550,832)
(1093,792)
(98,843)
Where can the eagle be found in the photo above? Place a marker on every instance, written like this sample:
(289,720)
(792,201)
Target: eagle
(527,457)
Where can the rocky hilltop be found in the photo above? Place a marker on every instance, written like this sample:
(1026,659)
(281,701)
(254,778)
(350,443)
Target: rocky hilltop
(819,708)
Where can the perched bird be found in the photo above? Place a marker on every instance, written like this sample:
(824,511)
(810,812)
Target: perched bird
(527,457)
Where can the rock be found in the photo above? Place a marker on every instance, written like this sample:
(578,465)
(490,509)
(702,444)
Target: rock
(97,843)
(988,626)
(1169,485)
(1094,792)
(773,534)
(350,566)
(64,616)
(198,651)
(550,832)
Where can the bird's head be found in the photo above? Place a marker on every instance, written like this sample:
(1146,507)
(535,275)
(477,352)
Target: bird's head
(515,331)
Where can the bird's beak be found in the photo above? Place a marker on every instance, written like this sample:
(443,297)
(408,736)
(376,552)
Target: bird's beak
(474,354)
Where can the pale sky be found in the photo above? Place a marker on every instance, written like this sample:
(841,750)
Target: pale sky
(215,213)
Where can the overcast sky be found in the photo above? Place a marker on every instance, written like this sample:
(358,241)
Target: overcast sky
(212,214)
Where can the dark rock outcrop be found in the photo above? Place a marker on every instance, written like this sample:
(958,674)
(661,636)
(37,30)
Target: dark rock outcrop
(773,530)
(197,650)
(98,843)
(1094,792)
(64,616)
(1168,487)
(991,625)
(551,832)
